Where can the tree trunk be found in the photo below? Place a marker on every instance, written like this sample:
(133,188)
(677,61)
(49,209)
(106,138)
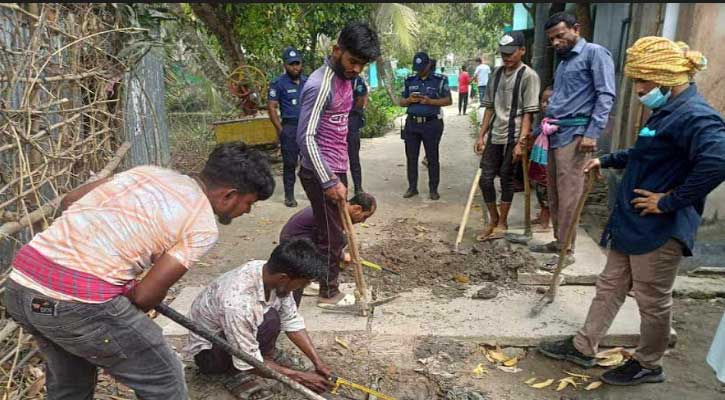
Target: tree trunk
(386,78)
(543,57)
(583,17)
(221,25)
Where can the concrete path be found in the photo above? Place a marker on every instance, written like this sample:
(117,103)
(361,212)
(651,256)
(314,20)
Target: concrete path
(504,319)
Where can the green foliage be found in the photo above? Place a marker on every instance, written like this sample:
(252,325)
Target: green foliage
(379,114)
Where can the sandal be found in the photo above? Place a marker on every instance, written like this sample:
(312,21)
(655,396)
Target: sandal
(340,300)
(486,233)
(245,386)
(497,233)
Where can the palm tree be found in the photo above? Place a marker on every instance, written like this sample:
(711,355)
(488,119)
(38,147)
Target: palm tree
(397,25)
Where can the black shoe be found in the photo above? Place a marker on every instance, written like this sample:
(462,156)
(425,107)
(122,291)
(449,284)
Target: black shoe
(410,193)
(358,191)
(290,202)
(633,373)
(551,247)
(434,196)
(565,350)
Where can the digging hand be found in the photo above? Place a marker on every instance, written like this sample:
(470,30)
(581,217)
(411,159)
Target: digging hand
(313,381)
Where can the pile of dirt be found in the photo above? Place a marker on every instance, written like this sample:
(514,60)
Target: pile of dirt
(419,260)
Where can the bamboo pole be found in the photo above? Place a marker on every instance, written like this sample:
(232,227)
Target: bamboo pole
(361,291)
(467,210)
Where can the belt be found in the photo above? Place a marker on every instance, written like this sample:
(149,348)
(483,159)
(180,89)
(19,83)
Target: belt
(422,120)
(574,121)
(289,121)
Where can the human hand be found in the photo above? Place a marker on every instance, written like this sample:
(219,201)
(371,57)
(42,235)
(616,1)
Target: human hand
(587,145)
(480,145)
(518,152)
(313,381)
(648,203)
(337,193)
(425,100)
(346,257)
(594,165)
(323,370)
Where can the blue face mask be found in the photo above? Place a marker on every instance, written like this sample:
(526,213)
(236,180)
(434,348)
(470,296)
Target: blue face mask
(655,98)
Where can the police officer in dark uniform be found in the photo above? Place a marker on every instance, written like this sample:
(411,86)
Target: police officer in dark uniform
(424,94)
(355,122)
(284,93)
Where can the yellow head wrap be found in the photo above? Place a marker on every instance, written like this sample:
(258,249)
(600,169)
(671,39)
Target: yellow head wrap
(660,60)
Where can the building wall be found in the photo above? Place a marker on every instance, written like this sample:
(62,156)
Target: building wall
(702,26)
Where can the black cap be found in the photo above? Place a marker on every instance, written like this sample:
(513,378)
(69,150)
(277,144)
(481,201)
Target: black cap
(291,55)
(511,41)
(420,61)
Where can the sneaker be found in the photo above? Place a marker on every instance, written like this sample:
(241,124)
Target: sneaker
(290,202)
(410,193)
(565,350)
(434,196)
(551,247)
(633,373)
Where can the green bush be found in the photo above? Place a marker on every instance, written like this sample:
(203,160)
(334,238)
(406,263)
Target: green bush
(380,114)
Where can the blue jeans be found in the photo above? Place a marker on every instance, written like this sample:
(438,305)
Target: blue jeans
(79,338)
(481,92)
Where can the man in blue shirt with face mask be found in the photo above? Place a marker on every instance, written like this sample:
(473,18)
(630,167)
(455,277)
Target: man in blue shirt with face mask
(284,94)
(679,158)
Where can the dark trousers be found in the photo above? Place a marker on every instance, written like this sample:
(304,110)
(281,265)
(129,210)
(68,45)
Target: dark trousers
(428,133)
(494,162)
(481,93)
(79,338)
(462,102)
(330,233)
(355,123)
(290,156)
(218,361)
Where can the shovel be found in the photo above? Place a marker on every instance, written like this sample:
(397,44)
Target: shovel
(526,237)
(550,294)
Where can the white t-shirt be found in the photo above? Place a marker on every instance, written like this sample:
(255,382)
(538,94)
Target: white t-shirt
(482,72)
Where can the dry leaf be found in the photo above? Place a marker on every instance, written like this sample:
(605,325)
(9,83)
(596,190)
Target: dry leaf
(480,370)
(610,352)
(512,362)
(585,377)
(563,383)
(614,359)
(461,278)
(543,384)
(530,381)
(497,355)
(511,370)
(593,385)
(342,343)
(491,360)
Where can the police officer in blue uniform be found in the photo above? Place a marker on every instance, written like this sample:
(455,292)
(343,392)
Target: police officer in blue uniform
(284,93)
(424,94)
(355,122)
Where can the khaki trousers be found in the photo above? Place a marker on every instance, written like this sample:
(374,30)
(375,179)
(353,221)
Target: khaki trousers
(651,276)
(565,177)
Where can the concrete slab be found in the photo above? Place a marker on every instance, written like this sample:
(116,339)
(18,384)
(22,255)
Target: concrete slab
(182,304)
(504,320)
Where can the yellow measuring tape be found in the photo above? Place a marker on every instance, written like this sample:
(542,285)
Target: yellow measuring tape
(344,382)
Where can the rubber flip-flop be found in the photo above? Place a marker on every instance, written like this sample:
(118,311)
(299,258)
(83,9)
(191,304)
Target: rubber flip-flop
(346,301)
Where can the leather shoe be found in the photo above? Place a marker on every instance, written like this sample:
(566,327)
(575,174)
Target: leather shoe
(410,193)
(290,202)
(434,196)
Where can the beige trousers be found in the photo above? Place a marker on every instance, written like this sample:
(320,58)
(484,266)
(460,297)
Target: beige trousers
(565,180)
(651,276)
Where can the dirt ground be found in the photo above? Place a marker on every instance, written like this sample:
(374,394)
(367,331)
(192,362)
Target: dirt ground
(413,237)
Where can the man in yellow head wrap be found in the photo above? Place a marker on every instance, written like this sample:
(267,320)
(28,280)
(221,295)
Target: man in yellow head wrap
(679,158)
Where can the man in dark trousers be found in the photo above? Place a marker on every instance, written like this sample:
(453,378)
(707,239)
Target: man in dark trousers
(677,160)
(326,102)
(355,122)
(284,94)
(424,94)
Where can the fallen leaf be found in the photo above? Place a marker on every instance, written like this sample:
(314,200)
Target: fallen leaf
(530,381)
(36,387)
(497,355)
(512,362)
(342,343)
(461,278)
(364,225)
(593,385)
(543,384)
(491,360)
(585,377)
(609,352)
(480,370)
(563,383)
(614,359)
(511,370)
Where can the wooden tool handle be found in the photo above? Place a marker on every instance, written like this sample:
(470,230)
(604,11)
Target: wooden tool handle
(467,211)
(527,190)
(361,287)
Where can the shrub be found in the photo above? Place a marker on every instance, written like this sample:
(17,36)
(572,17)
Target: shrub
(379,114)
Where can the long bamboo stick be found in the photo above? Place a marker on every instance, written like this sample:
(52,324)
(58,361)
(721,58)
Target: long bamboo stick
(361,291)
